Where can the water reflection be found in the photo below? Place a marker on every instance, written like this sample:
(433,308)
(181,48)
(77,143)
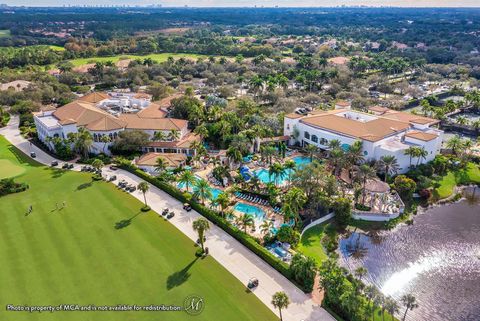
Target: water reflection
(437,259)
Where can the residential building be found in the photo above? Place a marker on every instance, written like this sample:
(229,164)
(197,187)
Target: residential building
(108,114)
(382,132)
(148,162)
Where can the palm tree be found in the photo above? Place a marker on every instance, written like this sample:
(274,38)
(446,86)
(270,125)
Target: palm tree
(201,225)
(421,154)
(360,272)
(371,293)
(159,136)
(354,155)
(187,178)
(333,144)
(391,306)
(202,131)
(203,190)
(336,159)
(144,187)
(410,303)
(454,144)
(462,120)
(388,164)
(411,152)
(276,170)
(234,155)
(223,199)
(364,173)
(160,164)
(280,301)
(311,150)
(105,139)
(266,227)
(245,221)
(97,164)
(173,135)
(289,166)
(296,199)
(82,141)
(256,83)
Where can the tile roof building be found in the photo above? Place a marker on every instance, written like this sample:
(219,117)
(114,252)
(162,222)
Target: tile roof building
(382,132)
(108,114)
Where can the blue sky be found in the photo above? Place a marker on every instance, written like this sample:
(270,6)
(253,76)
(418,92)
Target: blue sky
(251,3)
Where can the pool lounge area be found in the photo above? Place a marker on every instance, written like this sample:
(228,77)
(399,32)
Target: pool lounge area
(264,176)
(255,211)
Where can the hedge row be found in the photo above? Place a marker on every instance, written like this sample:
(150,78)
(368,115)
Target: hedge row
(212,216)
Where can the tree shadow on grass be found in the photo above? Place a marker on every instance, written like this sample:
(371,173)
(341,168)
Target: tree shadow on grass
(180,277)
(124,223)
(84,186)
(56,172)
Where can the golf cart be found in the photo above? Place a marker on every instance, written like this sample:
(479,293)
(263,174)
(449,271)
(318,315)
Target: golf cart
(33,155)
(187,207)
(252,283)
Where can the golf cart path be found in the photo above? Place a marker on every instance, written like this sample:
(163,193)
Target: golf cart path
(235,257)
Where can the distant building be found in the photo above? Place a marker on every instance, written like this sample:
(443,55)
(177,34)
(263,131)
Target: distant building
(17,85)
(109,114)
(382,132)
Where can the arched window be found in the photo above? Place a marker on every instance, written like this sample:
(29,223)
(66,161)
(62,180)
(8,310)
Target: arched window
(323,141)
(314,138)
(111,136)
(95,137)
(307,135)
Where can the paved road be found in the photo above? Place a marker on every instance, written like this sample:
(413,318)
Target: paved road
(235,257)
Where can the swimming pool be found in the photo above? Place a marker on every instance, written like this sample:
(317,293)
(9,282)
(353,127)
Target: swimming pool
(215,193)
(301,161)
(256,212)
(265,177)
(182,185)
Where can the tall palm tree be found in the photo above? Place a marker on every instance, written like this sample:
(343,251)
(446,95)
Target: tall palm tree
(276,170)
(144,187)
(266,227)
(392,307)
(202,131)
(160,164)
(388,164)
(256,84)
(354,155)
(311,151)
(280,301)
(223,200)
(296,199)
(245,221)
(364,173)
(159,136)
(371,293)
(421,154)
(410,303)
(82,141)
(333,144)
(201,225)
(187,178)
(105,139)
(411,152)
(360,272)
(203,190)
(289,166)
(234,155)
(336,159)
(455,143)
(173,135)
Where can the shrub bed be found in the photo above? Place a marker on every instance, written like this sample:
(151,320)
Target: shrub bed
(9,186)
(211,215)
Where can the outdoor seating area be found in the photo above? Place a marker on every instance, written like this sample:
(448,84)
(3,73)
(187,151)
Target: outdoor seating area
(252,198)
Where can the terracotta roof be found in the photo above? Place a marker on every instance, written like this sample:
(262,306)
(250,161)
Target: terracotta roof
(172,159)
(47,108)
(186,142)
(135,122)
(377,186)
(152,111)
(378,109)
(421,135)
(86,114)
(293,116)
(142,95)
(373,130)
(410,118)
(167,101)
(94,97)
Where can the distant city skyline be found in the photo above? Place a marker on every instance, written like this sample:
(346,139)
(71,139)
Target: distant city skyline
(251,3)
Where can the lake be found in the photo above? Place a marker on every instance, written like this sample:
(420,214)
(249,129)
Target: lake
(437,259)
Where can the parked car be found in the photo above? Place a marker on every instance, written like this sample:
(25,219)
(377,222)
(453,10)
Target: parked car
(112,178)
(65,166)
(165,211)
(171,214)
(187,207)
(33,155)
(113,167)
(54,163)
(252,283)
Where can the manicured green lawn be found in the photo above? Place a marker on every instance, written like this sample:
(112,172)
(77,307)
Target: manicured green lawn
(311,243)
(76,255)
(4,33)
(9,169)
(469,175)
(156,57)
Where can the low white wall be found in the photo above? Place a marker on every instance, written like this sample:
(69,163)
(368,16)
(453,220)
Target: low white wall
(318,221)
(369,216)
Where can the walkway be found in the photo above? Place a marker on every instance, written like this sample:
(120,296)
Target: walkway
(236,258)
